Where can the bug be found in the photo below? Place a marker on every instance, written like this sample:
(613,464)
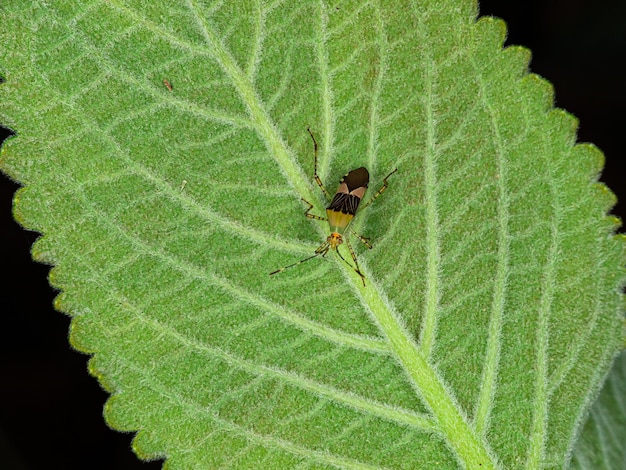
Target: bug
(340,213)
(167,84)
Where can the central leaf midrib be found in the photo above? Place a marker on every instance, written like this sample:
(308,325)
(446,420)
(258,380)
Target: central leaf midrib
(245,88)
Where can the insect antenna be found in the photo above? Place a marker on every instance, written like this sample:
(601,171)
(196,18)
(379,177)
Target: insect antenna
(294,264)
(322,250)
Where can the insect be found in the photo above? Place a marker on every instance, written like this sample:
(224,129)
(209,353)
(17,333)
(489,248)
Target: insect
(340,212)
(167,84)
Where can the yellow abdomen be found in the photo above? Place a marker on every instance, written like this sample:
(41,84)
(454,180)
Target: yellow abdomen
(338,221)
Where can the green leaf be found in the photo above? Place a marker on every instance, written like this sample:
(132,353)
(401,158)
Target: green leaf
(492,307)
(601,443)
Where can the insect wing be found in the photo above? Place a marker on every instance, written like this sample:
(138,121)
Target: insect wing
(345,203)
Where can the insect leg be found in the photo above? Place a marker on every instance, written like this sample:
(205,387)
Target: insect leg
(380,191)
(323,249)
(317,178)
(308,212)
(364,240)
(356,263)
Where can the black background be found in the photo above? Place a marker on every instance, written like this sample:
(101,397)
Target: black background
(51,408)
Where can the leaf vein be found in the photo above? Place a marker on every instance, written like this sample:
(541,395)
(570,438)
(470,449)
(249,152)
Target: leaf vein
(359,403)
(492,358)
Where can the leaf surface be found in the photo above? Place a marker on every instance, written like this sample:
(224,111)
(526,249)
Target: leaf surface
(600,445)
(491,310)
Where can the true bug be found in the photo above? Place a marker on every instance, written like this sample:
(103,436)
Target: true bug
(341,211)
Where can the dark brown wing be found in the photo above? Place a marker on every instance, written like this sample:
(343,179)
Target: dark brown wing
(346,203)
(350,192)
(358,178)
